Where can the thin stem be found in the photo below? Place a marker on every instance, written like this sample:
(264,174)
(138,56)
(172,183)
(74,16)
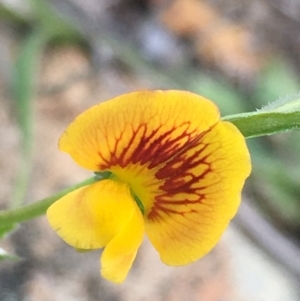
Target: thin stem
(39,208)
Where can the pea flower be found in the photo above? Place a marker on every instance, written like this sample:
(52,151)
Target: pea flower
(176,174)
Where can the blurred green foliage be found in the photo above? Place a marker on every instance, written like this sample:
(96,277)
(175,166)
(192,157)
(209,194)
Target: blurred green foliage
(43,28)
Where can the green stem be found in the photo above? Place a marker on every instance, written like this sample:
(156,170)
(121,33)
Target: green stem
(39,208)
(263,123)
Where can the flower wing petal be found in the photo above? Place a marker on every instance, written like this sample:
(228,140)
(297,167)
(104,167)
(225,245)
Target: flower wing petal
(199,197)
(91,216)
(136,128)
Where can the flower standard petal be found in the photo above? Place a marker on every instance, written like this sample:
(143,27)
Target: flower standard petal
(137,127)
(199,194)
(91,216)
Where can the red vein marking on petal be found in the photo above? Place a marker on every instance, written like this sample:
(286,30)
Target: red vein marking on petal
(175,155)
(181,179)
(106,162)
(148,147)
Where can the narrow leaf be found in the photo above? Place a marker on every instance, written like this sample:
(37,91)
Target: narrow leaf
(24,91)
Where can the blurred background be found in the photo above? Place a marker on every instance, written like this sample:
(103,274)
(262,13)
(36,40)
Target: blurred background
(59,57)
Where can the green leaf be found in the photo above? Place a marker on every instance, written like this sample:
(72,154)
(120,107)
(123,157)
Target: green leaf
(24,89)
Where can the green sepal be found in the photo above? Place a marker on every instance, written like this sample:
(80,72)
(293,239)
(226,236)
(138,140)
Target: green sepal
(139,202)
(103,175)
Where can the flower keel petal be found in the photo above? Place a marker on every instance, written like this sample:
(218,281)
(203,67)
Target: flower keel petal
(119,254)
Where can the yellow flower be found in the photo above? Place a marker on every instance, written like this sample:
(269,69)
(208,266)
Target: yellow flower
(177,172)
